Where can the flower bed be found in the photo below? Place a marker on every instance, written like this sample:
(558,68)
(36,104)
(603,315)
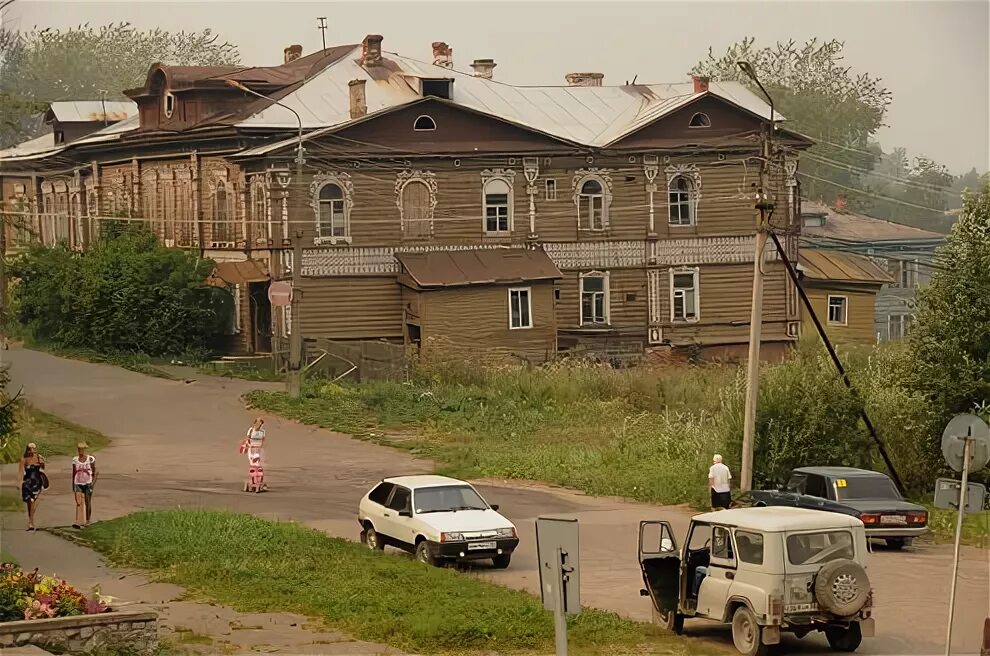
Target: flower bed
(31,596)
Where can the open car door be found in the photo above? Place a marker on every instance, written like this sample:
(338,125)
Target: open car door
(660,562)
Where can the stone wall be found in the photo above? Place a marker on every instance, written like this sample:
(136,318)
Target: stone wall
(138,630)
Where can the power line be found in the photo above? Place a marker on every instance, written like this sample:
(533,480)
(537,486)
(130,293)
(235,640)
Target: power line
(867,172)
(871,194)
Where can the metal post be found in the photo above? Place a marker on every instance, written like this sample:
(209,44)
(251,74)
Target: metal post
(559,618)
(967,454)
(294,379)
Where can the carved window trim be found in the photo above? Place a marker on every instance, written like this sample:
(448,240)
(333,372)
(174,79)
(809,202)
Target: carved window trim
(259,193)
(343,182)
(604,179)
(695,287)
(223,227)
(692,175)
(403,180)
(508,177)
(606,299)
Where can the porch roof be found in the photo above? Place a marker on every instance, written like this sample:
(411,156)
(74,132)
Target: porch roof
(239,273)
(841,267)
(496,266)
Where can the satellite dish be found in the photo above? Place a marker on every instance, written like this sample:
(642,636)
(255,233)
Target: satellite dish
(954,442)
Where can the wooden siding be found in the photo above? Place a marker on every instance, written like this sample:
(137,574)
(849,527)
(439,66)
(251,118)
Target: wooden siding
(351,308)
(477,318)
(627,299)
(860,315)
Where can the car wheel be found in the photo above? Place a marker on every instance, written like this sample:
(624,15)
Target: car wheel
(424,555)
(842,587)
(371,539)
(501,561)
(670,620)
(897,543)
(747,634)
(845,639)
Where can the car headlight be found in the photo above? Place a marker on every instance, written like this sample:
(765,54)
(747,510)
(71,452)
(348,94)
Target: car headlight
(451,537)
(505,532)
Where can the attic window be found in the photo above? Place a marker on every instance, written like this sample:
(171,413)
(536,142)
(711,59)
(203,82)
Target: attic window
(700,120)
(424,124)
(439,88)
(169,104)
(59,137)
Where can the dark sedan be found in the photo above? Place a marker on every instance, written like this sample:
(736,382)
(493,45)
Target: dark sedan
(868,495)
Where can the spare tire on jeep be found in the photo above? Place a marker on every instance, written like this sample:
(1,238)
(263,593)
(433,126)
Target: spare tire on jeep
(842,587)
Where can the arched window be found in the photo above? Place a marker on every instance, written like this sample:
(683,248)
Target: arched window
(332,211)
(700,120)
(498,205)
(591,205)
(168,104)
(424,124)
(331,202)
(416,209)
(681,200)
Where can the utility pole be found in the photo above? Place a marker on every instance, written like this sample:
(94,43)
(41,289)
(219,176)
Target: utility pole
(294,379)
(764,207)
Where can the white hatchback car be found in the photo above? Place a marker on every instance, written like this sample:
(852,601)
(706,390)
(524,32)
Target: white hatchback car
(437,518)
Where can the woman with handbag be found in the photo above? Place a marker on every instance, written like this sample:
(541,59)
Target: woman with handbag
(33,480)
(83,480)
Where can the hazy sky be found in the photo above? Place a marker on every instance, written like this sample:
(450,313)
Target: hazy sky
(934,56)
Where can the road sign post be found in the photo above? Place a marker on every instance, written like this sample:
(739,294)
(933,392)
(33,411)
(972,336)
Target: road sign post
(557,547)
(965,445)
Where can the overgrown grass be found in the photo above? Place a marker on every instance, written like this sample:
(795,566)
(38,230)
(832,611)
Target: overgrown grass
(132,361)
(53,435)
(255,565)
(975,529)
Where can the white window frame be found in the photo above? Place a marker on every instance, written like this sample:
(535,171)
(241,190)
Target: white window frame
(402,180)
(237,309)
(845,310)
(604,276)
(168,104)
(686,203)
(550,189)
(706,121)
(692,175)
(529,306)
(583,176)
(507,177)
(343,182)
(695,286)
(229,220)
(428,118)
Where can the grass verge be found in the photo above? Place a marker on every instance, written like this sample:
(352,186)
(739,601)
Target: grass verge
(53,435)
(254,565)
(10,502)
(975,528)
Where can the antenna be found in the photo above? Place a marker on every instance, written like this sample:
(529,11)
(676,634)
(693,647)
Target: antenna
(103,102)
(322,27)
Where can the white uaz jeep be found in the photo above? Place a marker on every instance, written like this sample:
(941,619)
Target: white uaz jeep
(764,570)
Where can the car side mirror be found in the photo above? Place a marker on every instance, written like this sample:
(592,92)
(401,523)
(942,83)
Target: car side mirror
(405,513)
(643,593)
(494,507)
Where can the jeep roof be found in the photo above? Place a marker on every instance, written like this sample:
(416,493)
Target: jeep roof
(775,519)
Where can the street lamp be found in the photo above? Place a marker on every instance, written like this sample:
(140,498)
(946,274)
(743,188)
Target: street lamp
(294,378)
(300,160)
(765,208)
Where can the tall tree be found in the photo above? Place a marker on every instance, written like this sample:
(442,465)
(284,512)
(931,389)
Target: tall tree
(43,66)
(821,98)
(951,343)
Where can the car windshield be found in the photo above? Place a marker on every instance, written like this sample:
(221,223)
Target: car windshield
(817,548)
(865,487)
(450,498)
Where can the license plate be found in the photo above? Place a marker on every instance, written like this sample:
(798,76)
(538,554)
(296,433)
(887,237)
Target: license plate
(478,546)
(893,519)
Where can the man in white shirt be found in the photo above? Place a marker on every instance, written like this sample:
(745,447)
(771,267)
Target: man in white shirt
(718,480)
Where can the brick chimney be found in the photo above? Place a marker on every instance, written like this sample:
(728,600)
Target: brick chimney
(359,101)
(371,50)
(484,68)
(292,53)
(584,79)
(700,83)
(443,55)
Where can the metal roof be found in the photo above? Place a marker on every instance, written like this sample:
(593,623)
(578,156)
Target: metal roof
(593,116)
(841,267)
(91,111)
(31,149)
(497,266)
(850,226)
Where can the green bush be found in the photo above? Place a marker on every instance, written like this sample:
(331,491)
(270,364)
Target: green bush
(127,294)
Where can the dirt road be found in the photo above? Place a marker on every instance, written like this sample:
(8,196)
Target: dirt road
(175,444)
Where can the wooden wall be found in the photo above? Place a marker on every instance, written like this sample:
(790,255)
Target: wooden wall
(860,317)
(368,307)
(477,318)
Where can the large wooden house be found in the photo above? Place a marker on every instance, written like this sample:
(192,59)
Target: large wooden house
(442,204)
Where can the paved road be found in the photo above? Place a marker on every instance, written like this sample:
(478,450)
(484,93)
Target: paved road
(175,444)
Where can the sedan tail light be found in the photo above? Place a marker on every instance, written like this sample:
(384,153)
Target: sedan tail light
(870,519)
(919,518)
